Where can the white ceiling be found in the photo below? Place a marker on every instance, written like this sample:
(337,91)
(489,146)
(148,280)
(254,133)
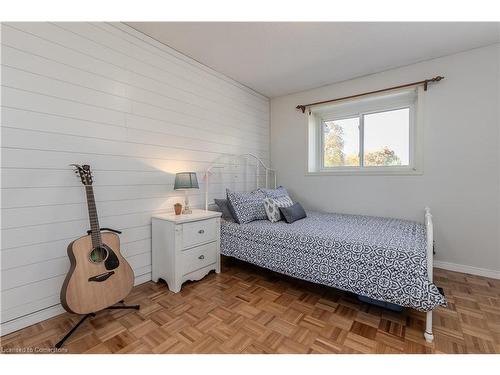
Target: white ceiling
(280,58)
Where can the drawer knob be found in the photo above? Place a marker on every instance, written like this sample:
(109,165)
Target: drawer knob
(201,257)
(201,231)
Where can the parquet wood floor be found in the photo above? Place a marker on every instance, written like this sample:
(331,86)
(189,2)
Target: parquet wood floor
(246,309)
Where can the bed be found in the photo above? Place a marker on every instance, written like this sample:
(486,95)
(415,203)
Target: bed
(384,259)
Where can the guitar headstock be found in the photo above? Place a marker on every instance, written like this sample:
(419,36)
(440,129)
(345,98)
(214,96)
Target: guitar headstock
(83,171)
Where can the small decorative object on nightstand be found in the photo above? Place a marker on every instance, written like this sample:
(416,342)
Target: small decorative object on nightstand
(185,247)
(177,208)
(186,181)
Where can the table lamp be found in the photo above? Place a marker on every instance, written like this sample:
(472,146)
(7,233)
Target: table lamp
(186,181)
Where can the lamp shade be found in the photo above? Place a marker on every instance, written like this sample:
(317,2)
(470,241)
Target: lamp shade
(186,180)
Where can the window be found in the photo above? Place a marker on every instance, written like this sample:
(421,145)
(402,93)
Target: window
(371,140)
(386,139)
(341,143)
(369,136)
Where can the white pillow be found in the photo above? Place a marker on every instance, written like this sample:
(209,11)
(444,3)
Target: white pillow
(272,207)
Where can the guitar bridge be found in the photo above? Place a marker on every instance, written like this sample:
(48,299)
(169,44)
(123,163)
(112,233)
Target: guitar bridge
(101,277)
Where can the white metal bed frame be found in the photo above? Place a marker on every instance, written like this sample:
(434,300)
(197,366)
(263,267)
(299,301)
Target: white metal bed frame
(231,160)
(223,162)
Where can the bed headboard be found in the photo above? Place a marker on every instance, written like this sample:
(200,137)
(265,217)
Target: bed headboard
(243,172)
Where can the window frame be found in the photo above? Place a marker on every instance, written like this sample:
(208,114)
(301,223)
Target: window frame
(384,105)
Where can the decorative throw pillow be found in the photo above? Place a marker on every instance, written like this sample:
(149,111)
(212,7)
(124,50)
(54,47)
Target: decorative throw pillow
(246,207)
(279,192)
(224,208)
(293,213)
(213,207)
(272,207)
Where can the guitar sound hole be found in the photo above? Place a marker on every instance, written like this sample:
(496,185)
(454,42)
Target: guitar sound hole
(98,255)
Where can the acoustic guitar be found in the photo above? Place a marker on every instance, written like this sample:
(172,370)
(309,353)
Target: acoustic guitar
(99,275)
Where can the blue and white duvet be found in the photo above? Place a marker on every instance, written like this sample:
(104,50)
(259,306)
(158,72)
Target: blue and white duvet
(381,258)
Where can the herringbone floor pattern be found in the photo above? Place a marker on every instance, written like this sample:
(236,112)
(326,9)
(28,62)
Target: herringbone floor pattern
(246,309)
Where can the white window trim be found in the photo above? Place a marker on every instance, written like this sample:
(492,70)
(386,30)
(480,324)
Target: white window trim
(415,167)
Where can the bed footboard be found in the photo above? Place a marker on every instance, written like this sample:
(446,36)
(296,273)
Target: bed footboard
(429,336)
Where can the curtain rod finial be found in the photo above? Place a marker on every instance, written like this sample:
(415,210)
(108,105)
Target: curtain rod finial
(301,107)
(435,79)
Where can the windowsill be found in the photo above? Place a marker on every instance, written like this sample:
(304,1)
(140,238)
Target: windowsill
(366,172)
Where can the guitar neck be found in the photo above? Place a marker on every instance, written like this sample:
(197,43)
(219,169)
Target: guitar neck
(94,221)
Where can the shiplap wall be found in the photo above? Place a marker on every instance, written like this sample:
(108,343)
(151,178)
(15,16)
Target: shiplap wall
(136,111)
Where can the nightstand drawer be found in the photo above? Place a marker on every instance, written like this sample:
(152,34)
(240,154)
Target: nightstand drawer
(198,232)
(198,257)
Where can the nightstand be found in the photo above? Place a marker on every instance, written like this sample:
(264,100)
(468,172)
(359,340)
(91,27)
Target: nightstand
(185,247)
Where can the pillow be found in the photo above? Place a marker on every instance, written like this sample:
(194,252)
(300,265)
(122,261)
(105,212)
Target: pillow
(293,213)
(224,208)
(246,207)
(213,207)
(279,192)
(272,207)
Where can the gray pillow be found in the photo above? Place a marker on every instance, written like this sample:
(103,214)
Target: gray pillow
(293,213)
(279,192)
(224,208)
(246,207)
(213,207)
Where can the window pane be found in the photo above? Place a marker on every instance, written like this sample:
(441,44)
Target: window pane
(341,143)
(387,138)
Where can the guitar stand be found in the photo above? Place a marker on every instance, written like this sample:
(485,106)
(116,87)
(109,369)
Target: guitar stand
(114,307)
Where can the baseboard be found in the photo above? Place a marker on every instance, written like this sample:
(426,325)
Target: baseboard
(142,279)
(50,312)
(30,319)
(467,269)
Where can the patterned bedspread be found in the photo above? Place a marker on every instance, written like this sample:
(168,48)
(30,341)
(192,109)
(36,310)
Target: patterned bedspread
(381,258)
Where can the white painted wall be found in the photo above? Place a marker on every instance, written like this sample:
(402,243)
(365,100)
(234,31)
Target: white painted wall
(136,111)
(461,158)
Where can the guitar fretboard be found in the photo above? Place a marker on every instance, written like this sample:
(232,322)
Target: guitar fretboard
(94,221)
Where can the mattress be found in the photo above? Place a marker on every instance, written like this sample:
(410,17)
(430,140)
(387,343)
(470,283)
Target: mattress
(381,258)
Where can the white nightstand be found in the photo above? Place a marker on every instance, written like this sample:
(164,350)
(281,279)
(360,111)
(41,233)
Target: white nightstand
(185,247)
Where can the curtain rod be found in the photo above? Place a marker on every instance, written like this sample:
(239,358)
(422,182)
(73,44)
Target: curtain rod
(425,82)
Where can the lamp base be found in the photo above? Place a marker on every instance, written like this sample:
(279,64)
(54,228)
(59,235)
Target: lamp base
(187,209)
